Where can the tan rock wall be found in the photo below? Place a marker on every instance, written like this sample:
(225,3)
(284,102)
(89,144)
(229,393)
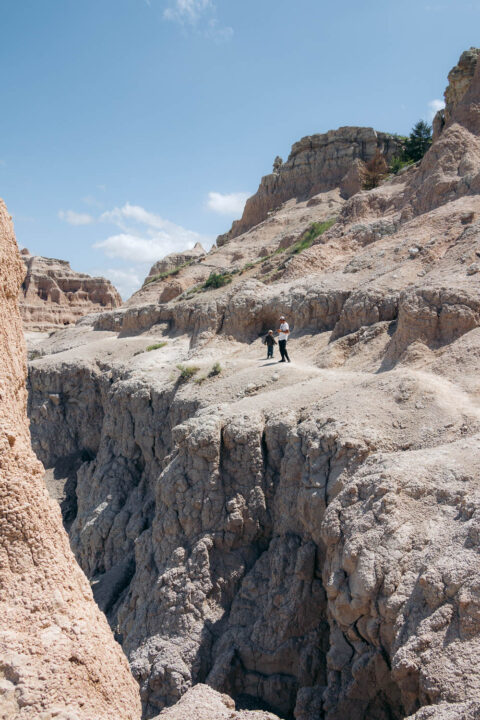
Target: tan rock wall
(57,654)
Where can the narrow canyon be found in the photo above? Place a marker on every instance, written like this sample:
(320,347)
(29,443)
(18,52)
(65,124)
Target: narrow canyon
(262,540)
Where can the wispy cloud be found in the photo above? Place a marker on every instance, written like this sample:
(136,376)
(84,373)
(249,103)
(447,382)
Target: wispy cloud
(227,204)
(92,201)
(187,11)
(218,32)
(145,236)
(73,218)
(433,107)
(200,15)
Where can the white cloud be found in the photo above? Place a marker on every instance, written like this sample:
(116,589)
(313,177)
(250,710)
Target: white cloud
(199,15)
(74,218)
(145,236)
(119,216)
(216,32)
(227,204)
(134,248)
(434,106)
(187,11)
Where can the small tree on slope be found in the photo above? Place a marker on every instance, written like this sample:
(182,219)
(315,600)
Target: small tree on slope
(418,141)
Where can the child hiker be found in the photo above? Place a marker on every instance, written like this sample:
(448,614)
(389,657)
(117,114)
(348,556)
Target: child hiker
(269,341)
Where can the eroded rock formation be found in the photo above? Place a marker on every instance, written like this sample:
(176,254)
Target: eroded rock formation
(317,163)
(57,654)
(175,260)
(303,537)
(53,295)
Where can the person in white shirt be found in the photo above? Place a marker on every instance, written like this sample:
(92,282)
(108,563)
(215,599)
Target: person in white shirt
(283,333)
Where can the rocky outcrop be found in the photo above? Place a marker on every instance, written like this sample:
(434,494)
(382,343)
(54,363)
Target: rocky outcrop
(459,81)
(57,655)
(317,163)
(203,703)
(52,294)
(451,167)
(174,261)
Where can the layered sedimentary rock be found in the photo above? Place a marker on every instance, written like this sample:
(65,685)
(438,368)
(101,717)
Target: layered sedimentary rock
(57,654)
(52,294)
(304,536)
(459,80)
(317,163)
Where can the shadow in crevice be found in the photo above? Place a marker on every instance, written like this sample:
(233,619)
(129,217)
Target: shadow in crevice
(61,483)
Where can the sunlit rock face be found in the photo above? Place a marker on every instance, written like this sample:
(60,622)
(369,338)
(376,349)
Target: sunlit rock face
(58,657)
(53,295)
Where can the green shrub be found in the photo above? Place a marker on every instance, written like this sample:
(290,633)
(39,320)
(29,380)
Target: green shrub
(397,163)
(217,280)
(216,370)
(310,235)
(187,372)
(156,346)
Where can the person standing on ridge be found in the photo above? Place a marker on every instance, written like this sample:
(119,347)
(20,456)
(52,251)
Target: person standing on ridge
(283,333)
(269,341)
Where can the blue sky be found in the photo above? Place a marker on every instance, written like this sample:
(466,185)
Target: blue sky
(130,128)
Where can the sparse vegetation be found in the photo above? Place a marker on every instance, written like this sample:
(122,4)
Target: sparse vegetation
(397,163)
(187,372)
(248,266)
(217,280)
(156,346)
(310,235)
(216,370)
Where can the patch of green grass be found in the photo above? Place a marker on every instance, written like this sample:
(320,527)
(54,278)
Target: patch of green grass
(216,370)
(397,163)
(187,372)
(310,235)
(217,280)
(156,346)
